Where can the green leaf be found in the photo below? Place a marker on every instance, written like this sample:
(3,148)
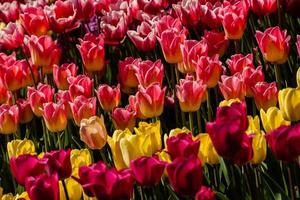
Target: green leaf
(224,171)
(274,188)
(221,196)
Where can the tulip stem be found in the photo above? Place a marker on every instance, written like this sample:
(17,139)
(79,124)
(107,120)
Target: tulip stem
(65,189)
(208,106)
(45,136)
(59,141)
(103,155)
(277,75)
(199,121)
(174,93)
(191,121)
(291,183)
(141,192)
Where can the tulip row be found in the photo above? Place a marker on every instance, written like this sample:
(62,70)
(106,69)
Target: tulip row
(166,99)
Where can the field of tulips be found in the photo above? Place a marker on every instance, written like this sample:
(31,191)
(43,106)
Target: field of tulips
(149,99)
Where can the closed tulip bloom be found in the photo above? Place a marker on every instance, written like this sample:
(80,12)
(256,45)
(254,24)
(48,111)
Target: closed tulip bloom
(263,7)
(63,97)
(109,97)
(289,103)
(265,95)
(216,42)
(250,77)
(205,193)
(123,118)
(37,97)
(83,108)
(170,41)
(272,119)
(34,21)
(151,100)
(274,44)
(185,175)
(58,162)
(127,74)
(284,142)
(79,158)
(208,70)
(80,85)
(61,74)
(92,52)
(232,87)
(18,147)
(55,116)
(43,186)
(93,132)
(73,187)
(148,72)
(207,152)
(259,146)
(9,119)
(26,165)
(147,171)
(12,36)
(238,62)
(9,11)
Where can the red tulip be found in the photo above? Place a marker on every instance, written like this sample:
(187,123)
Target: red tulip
(35,21)
(298,45)
(101,5)
(205,193)
(274,44)
(263,7)
(61,74)
(92,52)
(55,116)
(216,42)
(25,166)
(232,87)
(83,108)
(250,77)
(127,74)
(284,142)
(80,85)
(123,118)
(182,145)
(12,36)
(37,97)
(265,95)
(4,93)
(150,7)
(144,39)
(43,187)
(211,11)
(208,70)
(62,16)
(238,62)
(150,100)
(9,119)
(85,9)
(109,97)
(185,175)
(58,162)
(228,133)
(148,72)
(168,22)
(9,11)
(189,11)
(63,97)
(25,112)
(147,171)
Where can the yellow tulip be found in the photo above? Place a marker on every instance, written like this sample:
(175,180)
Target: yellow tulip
(8,196)
(19,147)
(164,156)
(79,157)
(298,77)
(73,187)
(177,131)
(254,125)
(272,119)
(289,103)
(86,197)
(23,196)
(207,152)
(259,146)
(228,102)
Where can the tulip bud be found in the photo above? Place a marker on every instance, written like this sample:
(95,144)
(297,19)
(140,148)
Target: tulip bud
(127,74)
(9,119)
(123,118)
(272,119)
(259,146)
(109,97)
(61,74)
(289,103)
(55,116)
(16,148)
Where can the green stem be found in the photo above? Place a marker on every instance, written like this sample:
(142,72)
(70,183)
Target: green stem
(65,189)
(102,152)
(191,123)
(141,192)
(199,121)
(277,75)
(291,183)
(45,136)
(59,141)
(209,110)
(174,93)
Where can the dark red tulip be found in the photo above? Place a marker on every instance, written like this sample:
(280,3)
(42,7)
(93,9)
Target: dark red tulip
(205,193)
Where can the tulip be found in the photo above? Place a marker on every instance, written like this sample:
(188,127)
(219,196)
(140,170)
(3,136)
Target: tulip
(216,42)
(189,11)
(289,103)
(109,97)
(182,145)
(22,196)
(232,87)
(4,93)
(9,119)
(18,147)
(298,45)
(274,44)
(93,132)
(170,41)
(205,193)
(166,22)
(234,19)
(44,51)
(34,21)
(191,50)
(37,97)
(58,162)
(228,133)
(229,102)
(12,36)
(259,146)
(9,11)
(25,166)
(63,97)
(43,187)
(80,85)
(211,11)
(238,62)
(83,108)
(250,77)
(127,74)
(151,100)
(147,171)
(265,95)
(62,16)
(151,7)
(263,7)
(55,117)
(79,158)
(144,39)
(85,9)
(284,142)
(61,74)
(185,175)
(73,187)
(208,70)
(272,119)
(92,52)
(207,152)
(123,118)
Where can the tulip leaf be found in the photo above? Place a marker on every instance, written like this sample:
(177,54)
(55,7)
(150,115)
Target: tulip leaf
(273,186)
(224,171)
(221,196)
